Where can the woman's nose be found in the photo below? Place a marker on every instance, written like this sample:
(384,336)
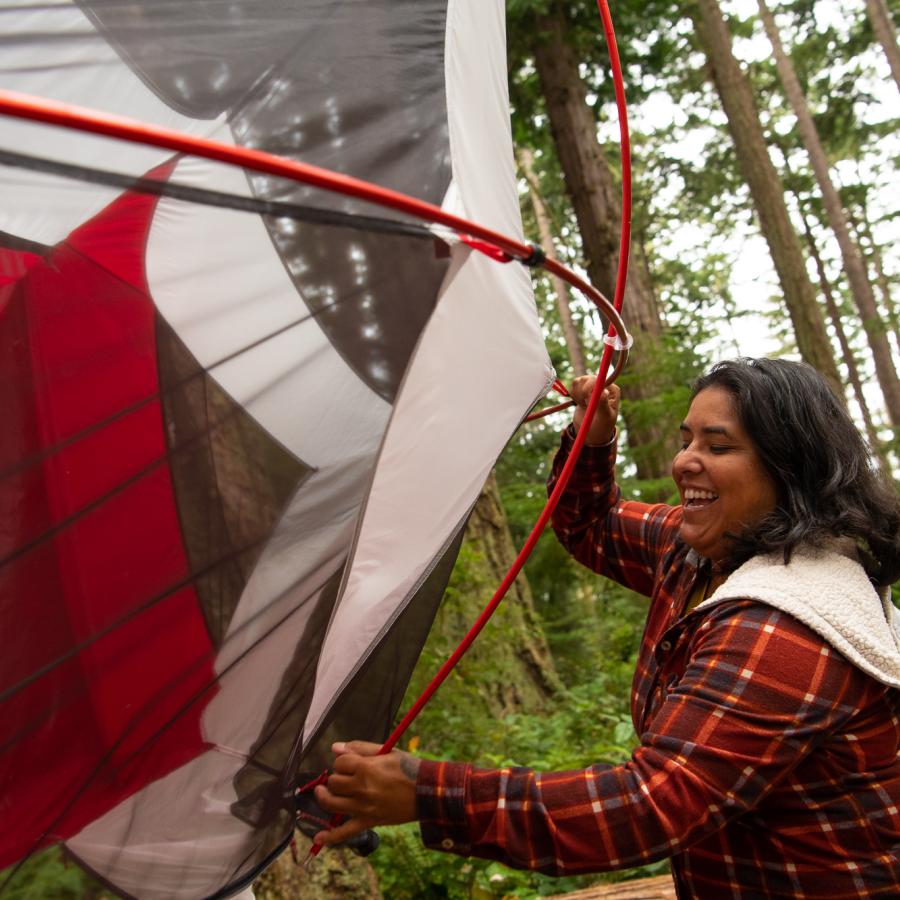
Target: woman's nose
(686,461)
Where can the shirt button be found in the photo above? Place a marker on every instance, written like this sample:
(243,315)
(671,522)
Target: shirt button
(665,645)
(447,843)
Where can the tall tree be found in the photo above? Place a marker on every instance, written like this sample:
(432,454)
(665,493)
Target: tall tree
(595,199)
(846,350)
(766,190)
(885,34)
(545,234)
(529,676)
(860,287)
(862,229)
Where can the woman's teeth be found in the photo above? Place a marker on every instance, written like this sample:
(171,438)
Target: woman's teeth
(693,496)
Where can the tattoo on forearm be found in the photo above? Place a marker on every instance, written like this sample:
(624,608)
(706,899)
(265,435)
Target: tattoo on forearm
(409,765)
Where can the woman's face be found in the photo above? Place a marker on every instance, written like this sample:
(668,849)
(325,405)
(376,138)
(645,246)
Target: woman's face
(719,475)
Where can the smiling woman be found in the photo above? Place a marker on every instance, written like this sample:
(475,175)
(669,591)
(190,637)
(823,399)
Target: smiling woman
(767,689)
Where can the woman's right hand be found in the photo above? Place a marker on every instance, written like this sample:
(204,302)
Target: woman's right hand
(603,425)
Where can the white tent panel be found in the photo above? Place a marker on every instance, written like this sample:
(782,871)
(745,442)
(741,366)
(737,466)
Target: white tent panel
(150,844)
(445,435)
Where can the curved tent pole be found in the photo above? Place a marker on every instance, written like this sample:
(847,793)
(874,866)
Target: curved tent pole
(51,112)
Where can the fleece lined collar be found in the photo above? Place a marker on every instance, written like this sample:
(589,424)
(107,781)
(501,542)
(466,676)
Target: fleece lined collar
(831,594)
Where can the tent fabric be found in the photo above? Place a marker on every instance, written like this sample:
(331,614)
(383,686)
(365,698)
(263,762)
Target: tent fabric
(240,448)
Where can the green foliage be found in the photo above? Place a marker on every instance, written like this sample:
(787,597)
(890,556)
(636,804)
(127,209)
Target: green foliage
(406,871)
(47,876)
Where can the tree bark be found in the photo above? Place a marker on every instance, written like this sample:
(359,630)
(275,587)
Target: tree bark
(659,888)
(570,332)
(862,228)
(509,668)
(885,34)
(516,647)
(860,287)
(766,190)
(598,210)
(846,350)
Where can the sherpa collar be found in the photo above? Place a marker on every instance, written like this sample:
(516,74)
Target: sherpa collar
(831,594)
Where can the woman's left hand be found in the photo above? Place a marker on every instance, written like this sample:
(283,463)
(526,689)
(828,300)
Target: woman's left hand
(371,789)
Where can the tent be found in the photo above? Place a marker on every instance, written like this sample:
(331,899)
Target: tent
(244,419)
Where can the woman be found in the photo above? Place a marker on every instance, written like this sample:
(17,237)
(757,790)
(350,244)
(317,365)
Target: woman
(766,692)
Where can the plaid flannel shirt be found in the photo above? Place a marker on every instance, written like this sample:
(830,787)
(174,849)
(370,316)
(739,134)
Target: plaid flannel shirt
(768,763)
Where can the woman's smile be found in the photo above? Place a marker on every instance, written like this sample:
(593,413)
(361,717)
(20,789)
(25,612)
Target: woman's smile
(695,498)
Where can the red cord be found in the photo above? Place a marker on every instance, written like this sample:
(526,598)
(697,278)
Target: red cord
(559,407)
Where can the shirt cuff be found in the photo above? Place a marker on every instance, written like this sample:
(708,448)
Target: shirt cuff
(596,453)
(441,806)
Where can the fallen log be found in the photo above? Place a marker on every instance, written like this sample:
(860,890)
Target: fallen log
(659,888)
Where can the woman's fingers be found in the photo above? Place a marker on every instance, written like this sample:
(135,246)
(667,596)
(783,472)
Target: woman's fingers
(360,748)
(581,389)
(346,764)
(369,787)
(341,832)
(603,425)
(346,804)
(342,785)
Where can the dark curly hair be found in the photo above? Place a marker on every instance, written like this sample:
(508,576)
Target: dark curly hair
(826,483)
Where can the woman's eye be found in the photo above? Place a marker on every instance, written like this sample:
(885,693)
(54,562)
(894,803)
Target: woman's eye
(717,448)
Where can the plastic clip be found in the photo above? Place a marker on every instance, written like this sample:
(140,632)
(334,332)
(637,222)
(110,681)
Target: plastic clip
(536,258)
(615,341)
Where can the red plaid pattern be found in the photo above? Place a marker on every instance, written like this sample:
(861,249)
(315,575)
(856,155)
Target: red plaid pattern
(768,763)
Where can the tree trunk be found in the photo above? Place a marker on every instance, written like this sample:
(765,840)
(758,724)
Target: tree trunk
(659,888)
(516,648)
(570,333)
(765,187)
(885,34)
(509,668)
(598,210)
(862,228)
(860,287)
(846,350)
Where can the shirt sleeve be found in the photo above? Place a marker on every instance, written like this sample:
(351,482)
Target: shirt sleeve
(759,692)
(622,539)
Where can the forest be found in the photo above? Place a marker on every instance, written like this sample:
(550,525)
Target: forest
(765,143)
